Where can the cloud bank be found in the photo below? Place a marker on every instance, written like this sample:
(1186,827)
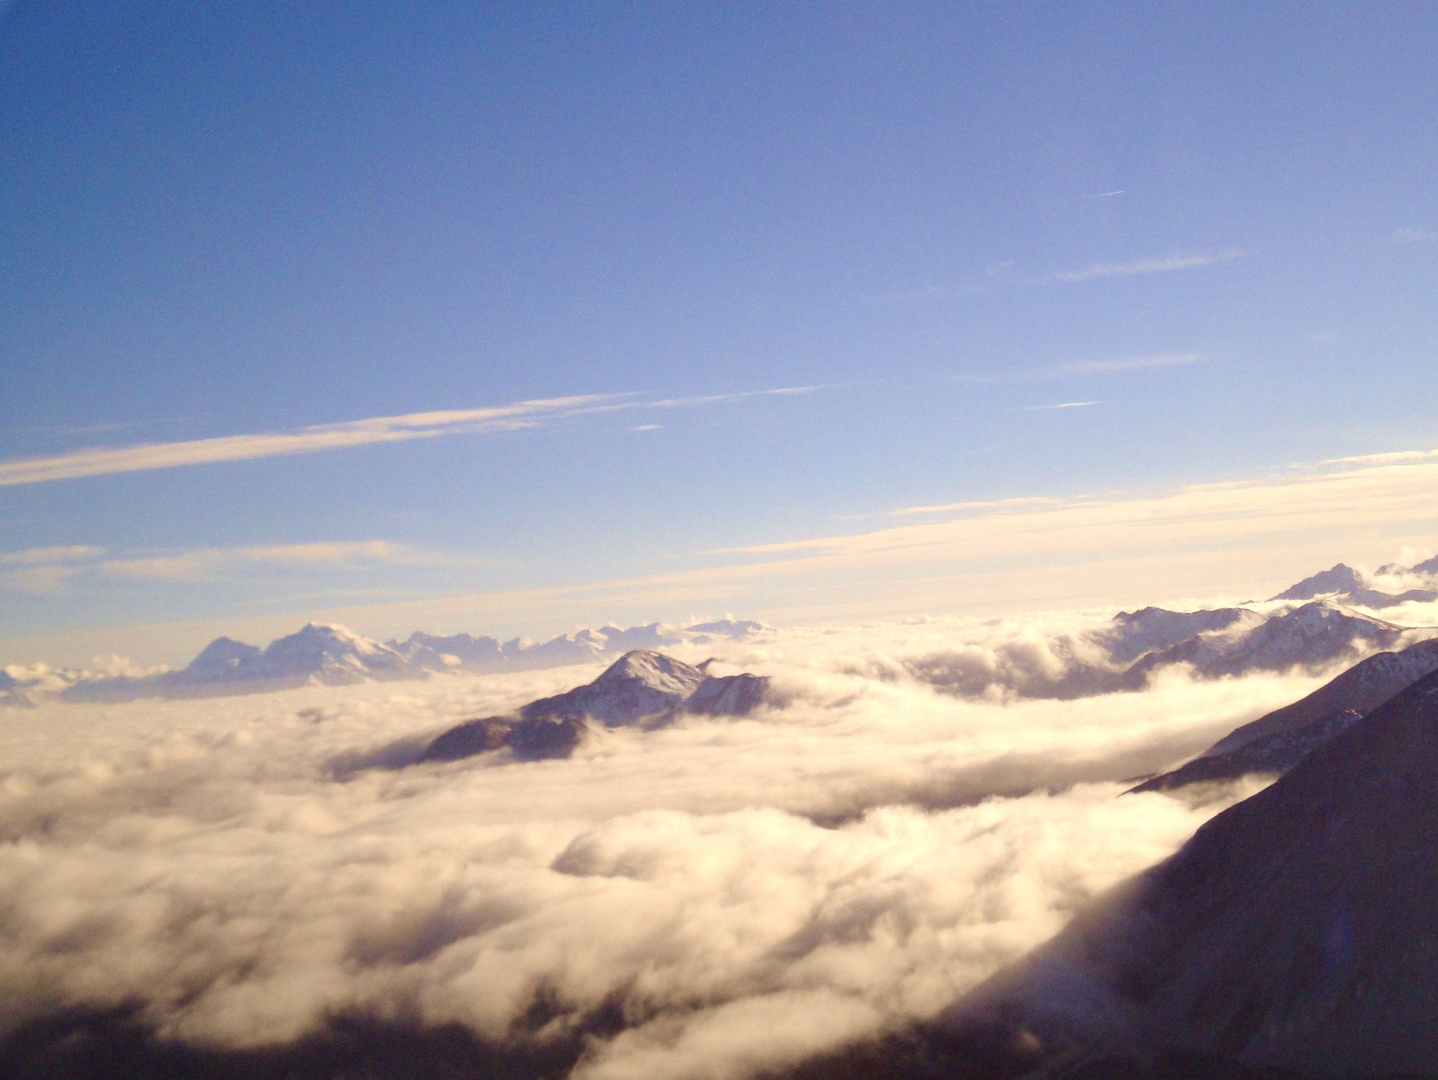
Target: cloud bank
(710,900)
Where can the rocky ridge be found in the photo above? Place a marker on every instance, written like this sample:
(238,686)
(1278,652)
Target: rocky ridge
(642,688)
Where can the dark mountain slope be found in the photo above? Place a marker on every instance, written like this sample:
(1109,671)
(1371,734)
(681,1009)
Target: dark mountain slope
(1277,741)
(642,688)
(1297,930)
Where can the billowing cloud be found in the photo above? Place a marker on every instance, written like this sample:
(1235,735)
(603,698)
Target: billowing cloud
(710,900)
(1137,267)
(321,437)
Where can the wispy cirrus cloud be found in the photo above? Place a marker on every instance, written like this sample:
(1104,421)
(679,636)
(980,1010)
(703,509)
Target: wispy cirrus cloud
(43,556)
(207,564)
(1382,459)
(1113,366)
(1121,364)
(1062,405)
(1137,267)
(51,570)
(99,461)
(1028,502)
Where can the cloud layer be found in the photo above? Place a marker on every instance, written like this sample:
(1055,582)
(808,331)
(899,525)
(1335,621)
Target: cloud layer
(742,894)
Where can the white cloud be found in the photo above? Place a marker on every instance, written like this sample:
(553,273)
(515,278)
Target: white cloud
(1413,236)
(44,571)
(201,858)
(1126,363)
(1029,502)
(209,563)
(1115,366)
(1138,267)
(1382,459)
(48,555)
(49,570)
(321,437)
(42,580)
(1062,405)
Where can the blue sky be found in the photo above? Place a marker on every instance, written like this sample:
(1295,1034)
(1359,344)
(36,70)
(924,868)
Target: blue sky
(1209,232)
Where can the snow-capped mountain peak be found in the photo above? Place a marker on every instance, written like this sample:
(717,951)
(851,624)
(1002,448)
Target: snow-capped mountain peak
(1341,578)
(653,670)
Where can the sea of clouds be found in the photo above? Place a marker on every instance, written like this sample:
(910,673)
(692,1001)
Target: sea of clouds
(730,895)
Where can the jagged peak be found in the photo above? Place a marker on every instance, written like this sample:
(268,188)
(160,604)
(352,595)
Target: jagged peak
(652,669)
(1340,578)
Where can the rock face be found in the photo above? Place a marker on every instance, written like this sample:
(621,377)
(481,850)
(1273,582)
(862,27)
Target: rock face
(642,688)
(1296,930)
(1276,742)
(470,738)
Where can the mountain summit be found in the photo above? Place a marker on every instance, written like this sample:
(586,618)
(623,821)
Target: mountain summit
(642,688)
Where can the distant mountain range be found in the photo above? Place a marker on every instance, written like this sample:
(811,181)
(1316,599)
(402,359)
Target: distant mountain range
(1313,625)
(326,655)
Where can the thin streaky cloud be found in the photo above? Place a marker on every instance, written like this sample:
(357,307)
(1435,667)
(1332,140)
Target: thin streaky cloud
(1381,459)
(45,570)
(99,461)
(1413,236)
(710,399)
(209,563)
(1106,194)
(48,556)
(993,504)
(1115,366)
(1062,405)
(1127,363)
(1139,267)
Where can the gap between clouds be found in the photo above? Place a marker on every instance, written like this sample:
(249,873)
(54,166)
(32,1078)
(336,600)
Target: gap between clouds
(99,461)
